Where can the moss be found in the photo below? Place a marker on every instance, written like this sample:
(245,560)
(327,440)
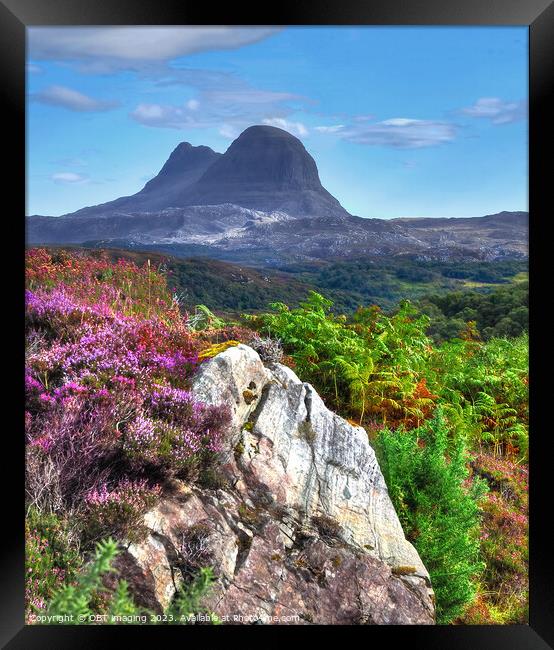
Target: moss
(276,557)
(336,561)
(238,449)
(327,527)
(306,431)
(216,349)
(248,426)
(250,516)
(403,570)
(249,396)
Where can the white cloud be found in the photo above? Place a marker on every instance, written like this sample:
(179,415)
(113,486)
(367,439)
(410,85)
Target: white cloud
(33,69)
(329,129)
(228,131)
(296,128)
(230,108)
(124,47)
(69,177)
(70,99)
(398,132)
(497,110)
(169,117)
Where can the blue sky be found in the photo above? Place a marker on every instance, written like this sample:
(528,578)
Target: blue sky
(402,121)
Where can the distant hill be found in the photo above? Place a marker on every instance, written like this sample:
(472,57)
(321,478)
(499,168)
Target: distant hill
(235,288)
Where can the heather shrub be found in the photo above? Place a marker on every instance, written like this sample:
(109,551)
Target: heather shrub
(503,591)
(179,435)
(108,362)
(72,443)
(118,512)
(92,279)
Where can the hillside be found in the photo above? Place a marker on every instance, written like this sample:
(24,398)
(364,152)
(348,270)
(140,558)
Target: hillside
(300,443)
(471,288)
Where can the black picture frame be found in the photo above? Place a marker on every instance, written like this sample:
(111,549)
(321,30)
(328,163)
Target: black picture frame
(15,17)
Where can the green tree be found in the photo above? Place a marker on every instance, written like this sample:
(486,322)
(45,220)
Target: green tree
(426,475)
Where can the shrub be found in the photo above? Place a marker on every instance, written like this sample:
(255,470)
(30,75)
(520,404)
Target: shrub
(270,350)
(503,593)
(75,603)
(118,511)
(427,481)
(51,559)
(106,401)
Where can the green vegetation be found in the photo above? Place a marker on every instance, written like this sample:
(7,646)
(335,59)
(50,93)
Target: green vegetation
(77,603)
(430,410)
(502,312)
(51,557)
(385,281)
(440,385)
(231,289)
(425,470)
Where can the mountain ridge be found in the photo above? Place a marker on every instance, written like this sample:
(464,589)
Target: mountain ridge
(264,194)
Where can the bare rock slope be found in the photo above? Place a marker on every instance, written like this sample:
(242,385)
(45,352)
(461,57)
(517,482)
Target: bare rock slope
(302,531)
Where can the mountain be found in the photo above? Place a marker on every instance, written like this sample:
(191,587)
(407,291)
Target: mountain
(185,166)
(265,169)
(262,202)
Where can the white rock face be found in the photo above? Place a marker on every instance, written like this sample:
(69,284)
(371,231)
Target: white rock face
(301,523)
(235,377)
(303,455)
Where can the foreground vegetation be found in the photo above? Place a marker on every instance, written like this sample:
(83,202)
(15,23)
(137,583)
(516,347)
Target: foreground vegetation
(494,294)
(109,419)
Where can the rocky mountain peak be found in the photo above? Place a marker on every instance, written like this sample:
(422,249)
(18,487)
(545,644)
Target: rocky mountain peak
(183,161)
(268,169)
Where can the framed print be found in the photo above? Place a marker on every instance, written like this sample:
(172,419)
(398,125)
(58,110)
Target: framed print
(276,315)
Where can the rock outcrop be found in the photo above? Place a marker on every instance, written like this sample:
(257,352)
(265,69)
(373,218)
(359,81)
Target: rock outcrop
(299,527)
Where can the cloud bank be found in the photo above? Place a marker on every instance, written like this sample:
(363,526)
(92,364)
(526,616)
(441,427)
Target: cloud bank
(497,111)
(71,99)
(398,132)
(114,48)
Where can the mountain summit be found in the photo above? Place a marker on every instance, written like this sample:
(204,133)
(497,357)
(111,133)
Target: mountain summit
(267,169)
(185,165)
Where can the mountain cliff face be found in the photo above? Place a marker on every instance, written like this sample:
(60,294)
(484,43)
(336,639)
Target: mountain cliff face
(300,526)
(265,169)
(264,196)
